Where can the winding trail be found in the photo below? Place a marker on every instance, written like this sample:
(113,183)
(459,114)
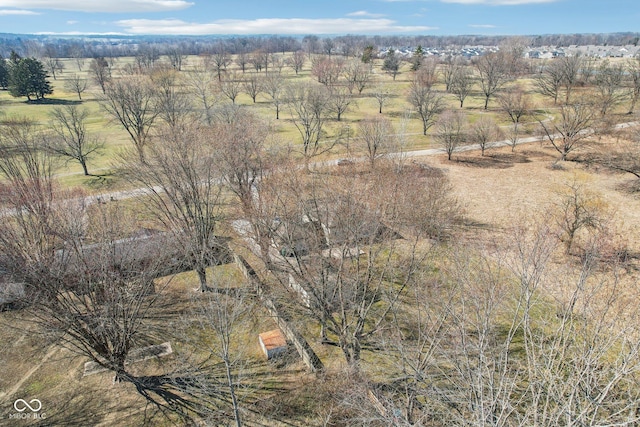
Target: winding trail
(137,192)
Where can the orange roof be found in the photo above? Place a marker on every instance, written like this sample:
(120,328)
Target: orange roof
(273,339)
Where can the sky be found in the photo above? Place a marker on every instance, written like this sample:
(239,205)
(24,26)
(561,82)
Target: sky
(321,17)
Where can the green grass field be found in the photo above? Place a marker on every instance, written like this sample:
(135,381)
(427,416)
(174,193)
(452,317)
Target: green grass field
(396,108)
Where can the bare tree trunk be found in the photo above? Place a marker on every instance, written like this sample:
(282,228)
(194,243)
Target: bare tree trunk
(202,276)
(232,391)
(85,170)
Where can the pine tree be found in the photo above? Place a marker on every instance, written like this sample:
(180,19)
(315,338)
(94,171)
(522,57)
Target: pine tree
(367,55)
(391,63)
(4,73)
(27,77)
(416,59)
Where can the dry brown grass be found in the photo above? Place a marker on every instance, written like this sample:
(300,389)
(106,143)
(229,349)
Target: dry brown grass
(503,189)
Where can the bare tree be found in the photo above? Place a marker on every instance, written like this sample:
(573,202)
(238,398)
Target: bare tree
(260,60)
(146,56)
(588,70)
(312,44)
(515,104)
(400,143)
(493,72)
(77,85)
(274,85)
(358,75)
(202,83)
(624,156)
(219,60)
(173,105)
(578,209)
(326,69)
(242,59)
(176,54)
(339,100)
(308,107)
(224,313)
(381,93)
(253,85)
(231,86)
(427,73)
(483,132)
(633,70)
(92,298)
(484,377)
(77,53)
(377,135)
(336,262)
(478,348)
(100,72)
(328,46)
(182,178)
(570,68)
(549,81)
(27,170)
(451,131)
(131,102)
(277,63)
(96,298)
(53,65)
(608,81)
(572,127)
(70,138)
(241,155)
(461,84)
(297,60)
(451,66)
(427,102)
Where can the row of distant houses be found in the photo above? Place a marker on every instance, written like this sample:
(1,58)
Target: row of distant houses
(548,52)
(467,51)
(592,51)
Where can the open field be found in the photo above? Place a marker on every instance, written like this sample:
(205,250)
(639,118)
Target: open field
(100,125)
(464,318)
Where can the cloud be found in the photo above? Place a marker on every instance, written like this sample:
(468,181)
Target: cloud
(72,22)
(115,6)
(268,26)
(499,2)
(364,13)
(482,26)
(4,12)
(77,33)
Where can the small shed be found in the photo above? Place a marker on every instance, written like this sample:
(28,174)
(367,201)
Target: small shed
(272,343)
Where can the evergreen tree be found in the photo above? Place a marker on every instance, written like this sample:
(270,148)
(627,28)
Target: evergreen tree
(367,55)
(4,73)
(391,63)
(27,77)
(416,59)
(14,57)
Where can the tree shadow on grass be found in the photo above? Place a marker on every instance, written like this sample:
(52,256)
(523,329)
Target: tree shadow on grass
(52,101)
(493,161)
(202,393)
(77,406)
